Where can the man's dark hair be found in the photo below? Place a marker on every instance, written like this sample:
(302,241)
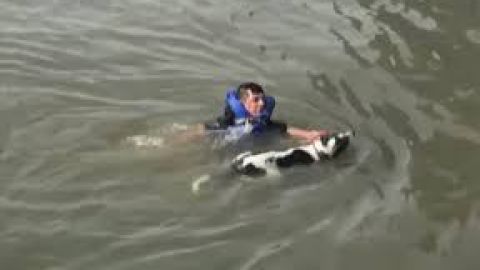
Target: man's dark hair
(242,89)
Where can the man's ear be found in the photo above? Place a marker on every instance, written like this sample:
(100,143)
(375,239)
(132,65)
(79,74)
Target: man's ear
(237,93)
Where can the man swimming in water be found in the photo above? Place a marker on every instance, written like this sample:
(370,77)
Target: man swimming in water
(248,110)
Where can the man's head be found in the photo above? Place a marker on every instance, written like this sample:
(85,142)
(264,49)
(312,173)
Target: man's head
(252,97)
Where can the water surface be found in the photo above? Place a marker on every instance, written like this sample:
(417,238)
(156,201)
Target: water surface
(80,79)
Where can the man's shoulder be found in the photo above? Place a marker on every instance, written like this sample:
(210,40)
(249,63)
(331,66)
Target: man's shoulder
(223,121)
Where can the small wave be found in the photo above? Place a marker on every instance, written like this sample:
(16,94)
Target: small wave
(146,141)
(473,35)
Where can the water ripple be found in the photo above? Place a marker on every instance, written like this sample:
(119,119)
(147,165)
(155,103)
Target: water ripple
(79,77)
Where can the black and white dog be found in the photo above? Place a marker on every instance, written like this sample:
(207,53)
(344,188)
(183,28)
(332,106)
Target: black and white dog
(270,162)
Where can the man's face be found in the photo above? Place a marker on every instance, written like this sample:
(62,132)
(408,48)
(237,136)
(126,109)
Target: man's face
(253,103)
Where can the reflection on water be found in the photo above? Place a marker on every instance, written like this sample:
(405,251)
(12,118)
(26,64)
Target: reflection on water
(91,90)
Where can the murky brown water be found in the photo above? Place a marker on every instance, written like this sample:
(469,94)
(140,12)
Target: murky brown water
(84,83)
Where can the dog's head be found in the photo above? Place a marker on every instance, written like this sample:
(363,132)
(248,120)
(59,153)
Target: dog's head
(332,145)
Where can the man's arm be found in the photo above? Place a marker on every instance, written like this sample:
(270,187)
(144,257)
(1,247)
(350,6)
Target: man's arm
(294,132)
(198,131)
(305,134)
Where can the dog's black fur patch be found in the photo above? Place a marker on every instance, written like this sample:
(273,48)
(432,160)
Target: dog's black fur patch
(250,170)
(298,156)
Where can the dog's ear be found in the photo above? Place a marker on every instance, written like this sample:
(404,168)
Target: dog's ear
(325,139)
(340,145)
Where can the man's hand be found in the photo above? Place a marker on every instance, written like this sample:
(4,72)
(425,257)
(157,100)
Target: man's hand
(316,134)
